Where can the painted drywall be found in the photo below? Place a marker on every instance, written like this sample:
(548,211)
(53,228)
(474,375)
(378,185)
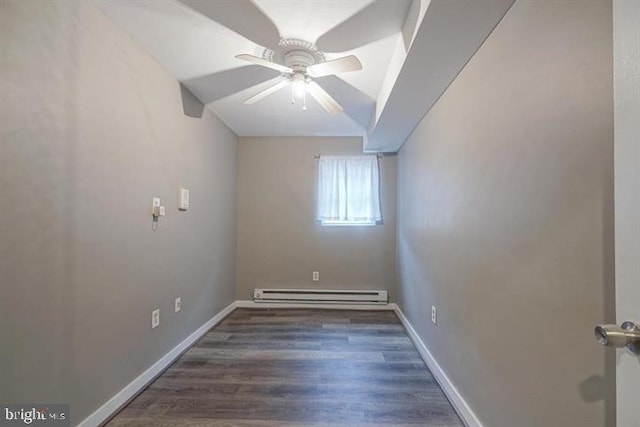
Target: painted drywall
(505,220)
(93,128)
(280,243)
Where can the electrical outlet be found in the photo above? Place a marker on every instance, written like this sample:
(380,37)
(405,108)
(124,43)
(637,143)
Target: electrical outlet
(315,276)
(434,315)
(178,304)
(155,318)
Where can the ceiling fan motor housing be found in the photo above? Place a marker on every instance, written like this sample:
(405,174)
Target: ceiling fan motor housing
(295,54)
(298,60)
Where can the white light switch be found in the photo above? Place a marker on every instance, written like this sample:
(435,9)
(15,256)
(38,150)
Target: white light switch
(155,318)
(183,199)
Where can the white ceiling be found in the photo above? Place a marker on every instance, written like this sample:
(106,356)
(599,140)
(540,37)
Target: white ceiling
(200,52)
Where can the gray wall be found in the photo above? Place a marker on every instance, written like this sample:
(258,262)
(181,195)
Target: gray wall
(505,203)
(279,241)
(92,128)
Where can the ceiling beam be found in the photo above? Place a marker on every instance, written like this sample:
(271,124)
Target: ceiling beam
(448,36)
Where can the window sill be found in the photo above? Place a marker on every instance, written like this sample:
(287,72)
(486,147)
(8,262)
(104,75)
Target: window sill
(348,223)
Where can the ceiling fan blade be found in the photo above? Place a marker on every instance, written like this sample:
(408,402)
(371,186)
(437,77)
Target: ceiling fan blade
(359,106)
(376,21)
(340,65)
(268,91)
(264,63)
(241,16)
(324,99)
(213,87)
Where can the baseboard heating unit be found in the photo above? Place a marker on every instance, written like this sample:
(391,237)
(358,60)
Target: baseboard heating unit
(319,296)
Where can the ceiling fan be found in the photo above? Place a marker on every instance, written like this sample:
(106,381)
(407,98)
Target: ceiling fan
(299,62)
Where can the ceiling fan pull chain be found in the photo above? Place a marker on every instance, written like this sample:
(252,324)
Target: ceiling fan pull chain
(293,94)
(304,100)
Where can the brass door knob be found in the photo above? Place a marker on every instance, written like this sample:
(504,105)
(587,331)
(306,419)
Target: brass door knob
(626,335)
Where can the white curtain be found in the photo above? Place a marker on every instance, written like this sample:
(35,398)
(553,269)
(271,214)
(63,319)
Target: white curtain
(349,190)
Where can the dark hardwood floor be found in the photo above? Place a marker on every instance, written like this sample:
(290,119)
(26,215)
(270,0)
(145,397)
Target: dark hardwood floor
(293,367)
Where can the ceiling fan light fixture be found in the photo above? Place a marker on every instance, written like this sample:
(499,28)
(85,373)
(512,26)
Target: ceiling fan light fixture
(299,89)
(298,86)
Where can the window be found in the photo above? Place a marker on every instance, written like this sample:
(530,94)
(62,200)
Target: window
(348,190)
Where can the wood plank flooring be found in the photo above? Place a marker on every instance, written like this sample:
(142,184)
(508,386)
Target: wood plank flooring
(295,367)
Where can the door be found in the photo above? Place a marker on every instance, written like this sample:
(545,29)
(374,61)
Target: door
(626,47)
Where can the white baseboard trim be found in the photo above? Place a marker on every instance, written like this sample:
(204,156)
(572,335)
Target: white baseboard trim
(253,304)
(134,387)
(463,409)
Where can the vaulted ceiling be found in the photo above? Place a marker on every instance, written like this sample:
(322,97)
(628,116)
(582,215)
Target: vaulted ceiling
(410,52)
